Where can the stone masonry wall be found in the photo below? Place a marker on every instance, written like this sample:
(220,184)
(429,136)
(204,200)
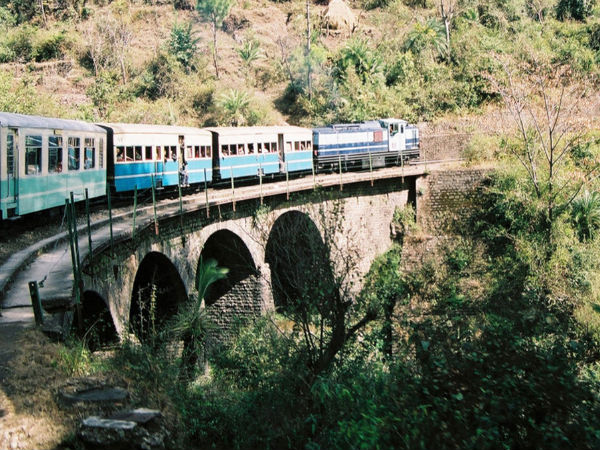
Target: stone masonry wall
(444,198)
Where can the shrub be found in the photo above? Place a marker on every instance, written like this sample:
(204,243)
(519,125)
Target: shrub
(51,46)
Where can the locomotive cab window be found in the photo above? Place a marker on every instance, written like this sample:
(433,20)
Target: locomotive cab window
(393,129)
(55,154)
(33,155)
(74,153)
(89,154)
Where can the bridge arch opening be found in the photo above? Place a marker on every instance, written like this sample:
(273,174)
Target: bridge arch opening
(230,251)
(299,261)
(158,290)
(98,328)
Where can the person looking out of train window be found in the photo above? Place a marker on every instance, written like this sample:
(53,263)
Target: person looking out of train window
(120,154)
(174,154)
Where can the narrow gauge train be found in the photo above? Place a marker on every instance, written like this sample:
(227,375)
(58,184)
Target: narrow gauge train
(43,159)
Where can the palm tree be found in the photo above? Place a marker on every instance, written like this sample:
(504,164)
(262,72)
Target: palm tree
(191,324)
(358,55)
(428,35)
(235,104)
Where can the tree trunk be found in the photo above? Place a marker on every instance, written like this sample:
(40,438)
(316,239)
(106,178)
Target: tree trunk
(214,30)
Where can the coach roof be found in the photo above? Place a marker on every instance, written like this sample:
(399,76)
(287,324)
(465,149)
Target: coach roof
(13,120)
(144,128)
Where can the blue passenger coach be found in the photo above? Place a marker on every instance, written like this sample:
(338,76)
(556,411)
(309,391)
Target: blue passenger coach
(43,159)
(241,152)
(139,153)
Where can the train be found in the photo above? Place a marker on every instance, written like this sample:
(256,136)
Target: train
(43,160)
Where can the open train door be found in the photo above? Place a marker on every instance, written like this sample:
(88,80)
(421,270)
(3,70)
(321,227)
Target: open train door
(10,193)
(159,167)
(281,150)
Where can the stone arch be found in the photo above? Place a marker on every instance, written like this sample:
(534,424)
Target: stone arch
(157,292)
(298,258)
(97,328)
(230,251)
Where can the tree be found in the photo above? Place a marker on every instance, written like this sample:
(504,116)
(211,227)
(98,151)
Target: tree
(250,52)
(447,13)
(313,267)
(545,102)
(108,43)
(234,105)
(215,12)
(183,45)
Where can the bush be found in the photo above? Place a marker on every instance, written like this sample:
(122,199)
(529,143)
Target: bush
(574,9)
(51,46)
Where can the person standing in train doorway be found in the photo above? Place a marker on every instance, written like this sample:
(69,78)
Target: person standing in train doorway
(183,174)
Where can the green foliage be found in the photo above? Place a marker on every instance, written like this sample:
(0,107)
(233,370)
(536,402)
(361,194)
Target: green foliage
(104,94)
(358,56)
(160,79)
(235,108)
(427,36)
(585,214)
(183,45)
(214,11)
(574,9)
(21,96)
(51,46)
(250,51)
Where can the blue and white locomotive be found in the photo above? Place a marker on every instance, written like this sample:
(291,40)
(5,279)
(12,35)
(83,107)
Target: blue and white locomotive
(370,144)
(43,159)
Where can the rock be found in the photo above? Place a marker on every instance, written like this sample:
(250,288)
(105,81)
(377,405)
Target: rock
(117,434)
(140,415)
(109,424)
(95,395)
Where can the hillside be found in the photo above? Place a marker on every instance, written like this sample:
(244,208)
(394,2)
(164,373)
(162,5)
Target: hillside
(151,61)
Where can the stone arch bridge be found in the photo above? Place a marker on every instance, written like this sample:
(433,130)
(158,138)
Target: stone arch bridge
(144,279)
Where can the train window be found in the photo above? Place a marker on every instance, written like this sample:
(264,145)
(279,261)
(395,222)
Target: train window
(33,155)
(120,153)
(158,152)
(393,128)
(138,152)
(296,145)
(55,154)
(101,153)
(174,152)
(308,145)
(208,151)
(266,147)
(74,153)
(89,154)
(148,153)
(250,149)
(259,147)
(129,153)
(197,153)
(274,147)
(189,152)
